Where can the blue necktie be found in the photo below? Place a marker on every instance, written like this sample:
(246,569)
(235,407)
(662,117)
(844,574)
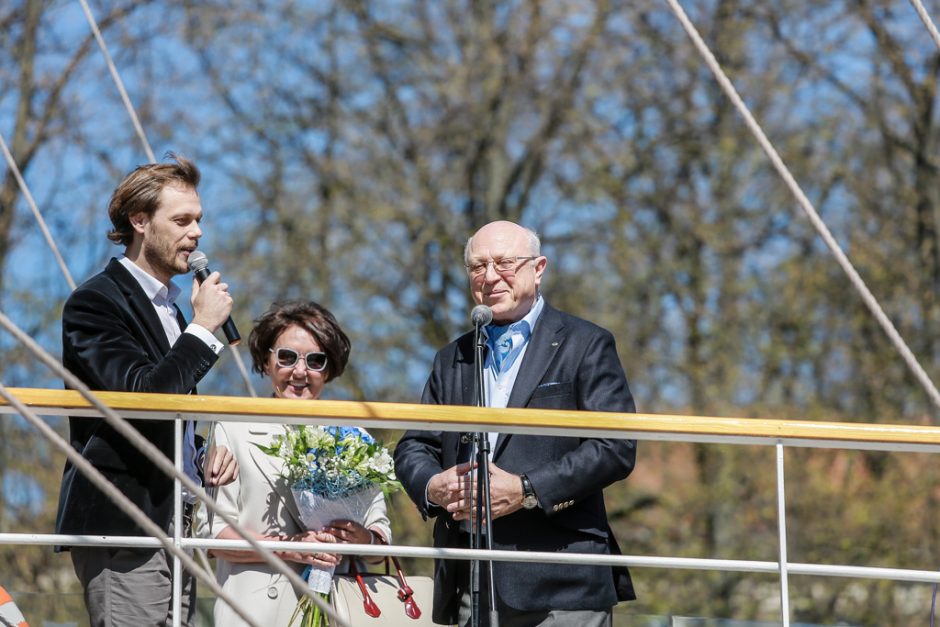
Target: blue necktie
(503,348)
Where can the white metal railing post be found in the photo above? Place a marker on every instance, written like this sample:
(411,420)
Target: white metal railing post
(177,520)
(782,533)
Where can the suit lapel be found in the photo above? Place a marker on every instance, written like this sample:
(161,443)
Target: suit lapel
(139,302)
(547,338)
(465,364)
(465,360)
(180,318)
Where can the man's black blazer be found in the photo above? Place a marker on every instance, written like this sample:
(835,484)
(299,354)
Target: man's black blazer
(569,364)
(112,340)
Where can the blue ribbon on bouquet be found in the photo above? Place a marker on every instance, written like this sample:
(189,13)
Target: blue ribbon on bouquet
(341,432)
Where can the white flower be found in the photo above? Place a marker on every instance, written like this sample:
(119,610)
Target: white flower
(381,463)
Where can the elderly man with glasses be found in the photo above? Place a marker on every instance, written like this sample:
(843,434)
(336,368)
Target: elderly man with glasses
(546,492)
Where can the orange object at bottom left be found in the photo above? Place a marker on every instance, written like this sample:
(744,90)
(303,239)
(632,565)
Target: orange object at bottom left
(9,613)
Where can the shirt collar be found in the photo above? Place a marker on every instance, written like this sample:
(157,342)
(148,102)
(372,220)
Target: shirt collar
(155,290)
(523,326)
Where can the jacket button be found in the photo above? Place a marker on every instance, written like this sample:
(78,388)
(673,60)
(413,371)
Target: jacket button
(272,592)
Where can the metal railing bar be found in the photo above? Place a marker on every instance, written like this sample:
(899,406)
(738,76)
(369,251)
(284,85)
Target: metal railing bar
(177,522)
(641,561)
(782,539)
(866,572)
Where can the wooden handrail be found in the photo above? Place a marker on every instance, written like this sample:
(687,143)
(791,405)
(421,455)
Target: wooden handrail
(454,418)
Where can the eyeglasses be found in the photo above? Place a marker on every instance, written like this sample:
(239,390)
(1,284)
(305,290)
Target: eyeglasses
(287,358)
(506,265)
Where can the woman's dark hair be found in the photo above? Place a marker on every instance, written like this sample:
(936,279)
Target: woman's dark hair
(308,315)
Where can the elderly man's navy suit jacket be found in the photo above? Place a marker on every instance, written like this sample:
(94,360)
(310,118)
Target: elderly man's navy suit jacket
(569,364)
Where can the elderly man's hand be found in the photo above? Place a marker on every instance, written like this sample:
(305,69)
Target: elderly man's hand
(505,494)
(451,487)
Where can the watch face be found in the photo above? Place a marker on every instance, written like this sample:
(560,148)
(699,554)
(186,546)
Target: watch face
(529,502)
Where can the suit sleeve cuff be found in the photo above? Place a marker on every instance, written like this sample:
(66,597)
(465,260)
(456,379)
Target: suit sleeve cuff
(430,507)
(206,336)
(427,501)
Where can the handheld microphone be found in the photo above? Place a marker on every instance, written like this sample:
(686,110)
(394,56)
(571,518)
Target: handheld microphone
(199,264)
(481,315)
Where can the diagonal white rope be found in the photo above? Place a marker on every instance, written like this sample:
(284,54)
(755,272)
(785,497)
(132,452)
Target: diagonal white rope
(152,453)
(925,18)
(11,162)
(115,75)
(243,371)
(843,261)
(95,476)
(117,81)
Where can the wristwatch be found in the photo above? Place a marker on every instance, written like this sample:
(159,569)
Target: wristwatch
(529,500)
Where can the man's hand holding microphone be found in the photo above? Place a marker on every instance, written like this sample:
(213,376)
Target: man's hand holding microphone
(212,304)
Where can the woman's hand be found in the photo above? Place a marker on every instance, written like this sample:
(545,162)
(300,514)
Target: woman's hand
(351,532)
(324,560)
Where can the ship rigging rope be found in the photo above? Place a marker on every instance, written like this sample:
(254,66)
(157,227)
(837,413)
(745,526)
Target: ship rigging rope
(127,506)
(841,258)
(239,362)
(24,188)
(116,76)
(855,279)
(151,452)
(843,261)
(118,82)
(928,23)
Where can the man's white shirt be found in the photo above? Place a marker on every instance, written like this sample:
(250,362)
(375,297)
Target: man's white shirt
(163,298)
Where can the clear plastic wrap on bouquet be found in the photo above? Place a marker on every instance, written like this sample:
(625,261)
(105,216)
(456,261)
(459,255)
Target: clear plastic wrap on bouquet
(318,511)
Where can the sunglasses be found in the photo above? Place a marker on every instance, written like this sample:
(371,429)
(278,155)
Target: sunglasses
(287,358)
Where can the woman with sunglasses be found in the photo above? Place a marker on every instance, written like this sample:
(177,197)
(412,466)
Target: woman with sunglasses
(300,347)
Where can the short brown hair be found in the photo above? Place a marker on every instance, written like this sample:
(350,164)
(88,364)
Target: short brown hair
(140,190)
(308,315)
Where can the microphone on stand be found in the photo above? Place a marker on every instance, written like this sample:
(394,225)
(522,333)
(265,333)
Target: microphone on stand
(199,264)
(481,514)
(481,315)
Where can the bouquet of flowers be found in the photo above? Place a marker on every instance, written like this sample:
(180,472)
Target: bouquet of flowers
(334,472)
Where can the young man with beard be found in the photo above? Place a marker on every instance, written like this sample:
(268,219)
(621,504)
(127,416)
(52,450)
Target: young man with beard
(122,332)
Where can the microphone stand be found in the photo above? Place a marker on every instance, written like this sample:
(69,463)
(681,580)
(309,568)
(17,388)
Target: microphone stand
(481,514)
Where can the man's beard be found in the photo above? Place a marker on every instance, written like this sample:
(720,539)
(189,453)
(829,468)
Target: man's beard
(165,258)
